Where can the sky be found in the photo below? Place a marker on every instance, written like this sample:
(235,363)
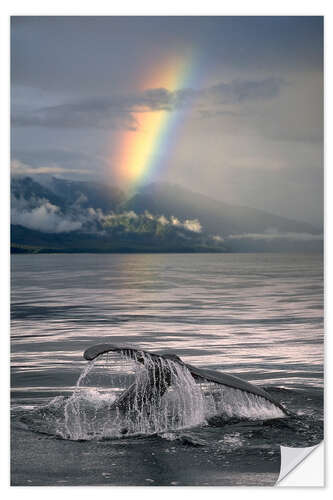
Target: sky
(231,107)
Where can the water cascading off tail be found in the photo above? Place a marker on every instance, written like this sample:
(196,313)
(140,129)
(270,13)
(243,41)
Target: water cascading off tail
(234,389)
(125,391)
(163,396)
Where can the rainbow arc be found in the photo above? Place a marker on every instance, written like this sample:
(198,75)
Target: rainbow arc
(142,152)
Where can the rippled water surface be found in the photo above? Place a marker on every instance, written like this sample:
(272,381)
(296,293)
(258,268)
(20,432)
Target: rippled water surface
(256,316)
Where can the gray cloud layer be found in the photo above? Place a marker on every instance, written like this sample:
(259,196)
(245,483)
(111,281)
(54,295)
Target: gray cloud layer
(116,112)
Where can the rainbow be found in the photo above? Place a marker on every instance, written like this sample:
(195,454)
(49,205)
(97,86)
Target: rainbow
(142,152)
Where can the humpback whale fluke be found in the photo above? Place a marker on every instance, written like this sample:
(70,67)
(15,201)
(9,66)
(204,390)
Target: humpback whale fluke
(160,374)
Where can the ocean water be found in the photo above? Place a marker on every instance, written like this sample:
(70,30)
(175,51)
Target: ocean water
(256,316)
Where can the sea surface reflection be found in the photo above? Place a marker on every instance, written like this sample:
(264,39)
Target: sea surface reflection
(258,316)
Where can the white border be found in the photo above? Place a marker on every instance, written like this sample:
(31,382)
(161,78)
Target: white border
(172,7)
(139,7)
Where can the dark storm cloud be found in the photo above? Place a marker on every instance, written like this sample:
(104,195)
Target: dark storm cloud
(97,113)
(116,112)
(243,90)
(86,55)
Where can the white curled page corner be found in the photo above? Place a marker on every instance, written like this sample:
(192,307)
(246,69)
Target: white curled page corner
(302,466)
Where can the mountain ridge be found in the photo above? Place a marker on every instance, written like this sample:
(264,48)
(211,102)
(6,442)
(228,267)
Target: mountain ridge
(78,215)
(236,211)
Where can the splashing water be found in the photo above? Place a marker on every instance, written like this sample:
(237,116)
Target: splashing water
(139,393)
(164,395)
(229,402)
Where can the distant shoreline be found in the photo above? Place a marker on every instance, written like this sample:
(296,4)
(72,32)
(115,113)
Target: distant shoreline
(16,251)
(38,251)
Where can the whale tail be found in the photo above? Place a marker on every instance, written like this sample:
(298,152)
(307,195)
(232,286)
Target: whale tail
(158,377)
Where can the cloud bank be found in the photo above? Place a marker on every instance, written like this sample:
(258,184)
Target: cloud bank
(275,236)
(46,217)
(116,112)
(41,215)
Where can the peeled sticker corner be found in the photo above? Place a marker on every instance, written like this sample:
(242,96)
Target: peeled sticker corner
(294,469)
